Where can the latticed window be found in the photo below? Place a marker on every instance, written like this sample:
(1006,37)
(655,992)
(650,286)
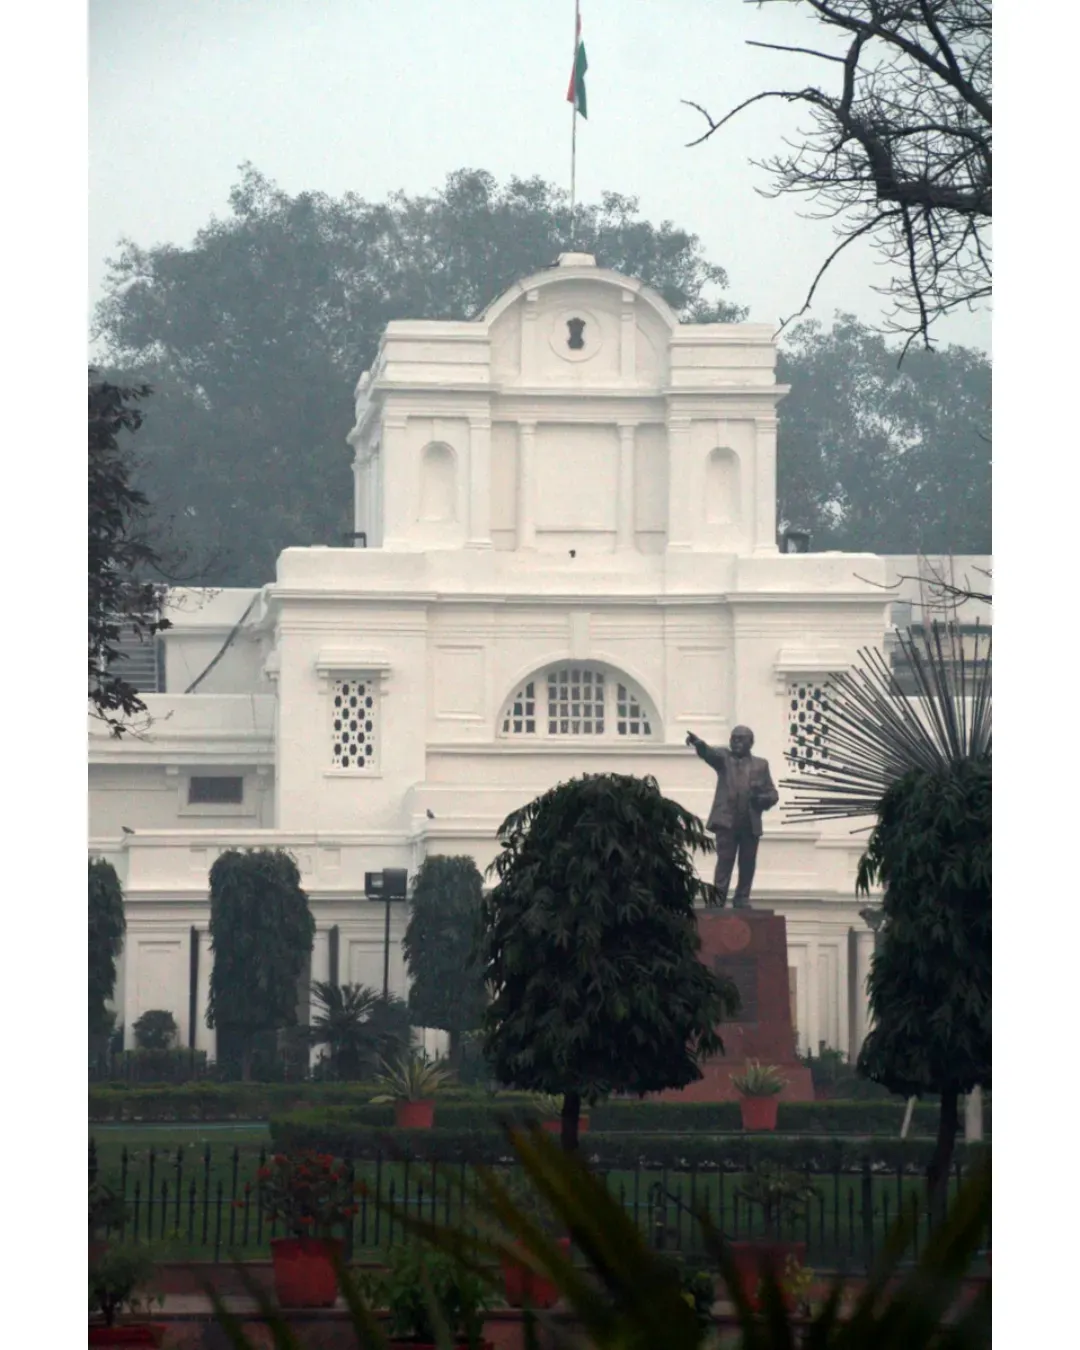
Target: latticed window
(521,719)
(808,719)
(576,701)
(354,715)
(631,719)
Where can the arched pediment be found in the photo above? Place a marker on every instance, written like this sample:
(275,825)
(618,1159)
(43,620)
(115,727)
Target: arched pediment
(588,277)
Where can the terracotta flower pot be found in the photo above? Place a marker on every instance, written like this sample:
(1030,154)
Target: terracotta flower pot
(304,1274)
(414,1115)
(753,1259)
(126,1334)
(525,1287)
(555,1126)
(759,1113)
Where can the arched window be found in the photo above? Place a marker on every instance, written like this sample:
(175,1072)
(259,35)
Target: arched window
(578,700)
(438,484)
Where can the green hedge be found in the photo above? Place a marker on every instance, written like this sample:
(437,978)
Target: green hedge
(606,1150)
(461,1109)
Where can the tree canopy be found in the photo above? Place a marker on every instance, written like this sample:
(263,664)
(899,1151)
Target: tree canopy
(874,456)
(122,597)
(106,939)
(590,946)
(261,935)
(447,987)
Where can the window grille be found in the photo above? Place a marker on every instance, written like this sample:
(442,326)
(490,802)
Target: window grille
(575,702)
(216,790)
(521,719)
(631,719)
(808,720)
(353,726)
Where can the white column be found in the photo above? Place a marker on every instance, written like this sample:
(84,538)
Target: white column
(813,998)
(765,486)
(628,340)
(624,520)
(205,1037)
(399,484)
(361,496)
(320,971)
(479,482)
(680,494)
(526,513)
(864,950)
(843,1022)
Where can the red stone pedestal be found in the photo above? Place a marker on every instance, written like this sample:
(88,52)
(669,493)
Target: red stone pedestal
(750,947)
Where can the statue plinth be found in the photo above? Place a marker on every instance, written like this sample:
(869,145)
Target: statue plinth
(750,947)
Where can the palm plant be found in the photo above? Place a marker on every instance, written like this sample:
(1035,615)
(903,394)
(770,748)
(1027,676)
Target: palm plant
(411,1078)
(919,760)
(358,1026)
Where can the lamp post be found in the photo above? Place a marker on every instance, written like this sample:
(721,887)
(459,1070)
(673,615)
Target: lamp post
(388,886)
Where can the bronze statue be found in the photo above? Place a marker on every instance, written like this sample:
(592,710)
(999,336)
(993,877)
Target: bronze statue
(744,788)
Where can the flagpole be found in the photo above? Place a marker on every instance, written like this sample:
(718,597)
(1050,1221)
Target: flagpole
(573,123)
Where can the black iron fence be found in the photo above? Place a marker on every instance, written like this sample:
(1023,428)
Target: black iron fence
(204,1204)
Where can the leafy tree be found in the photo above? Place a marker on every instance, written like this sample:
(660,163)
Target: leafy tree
(106,941)
(922,767)
(155,1030)
(358,1026)
(883,458)
(121,597)
(261,935)
(899,145)
(590,946)
(447,987)
(255,335)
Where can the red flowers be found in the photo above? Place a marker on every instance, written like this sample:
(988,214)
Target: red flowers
(310,1193)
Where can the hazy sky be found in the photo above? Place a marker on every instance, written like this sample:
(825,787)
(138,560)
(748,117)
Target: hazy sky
(374,95)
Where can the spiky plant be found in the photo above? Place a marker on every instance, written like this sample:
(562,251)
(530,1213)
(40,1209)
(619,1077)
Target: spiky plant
(358,1026)
(919,760)
(412,1078)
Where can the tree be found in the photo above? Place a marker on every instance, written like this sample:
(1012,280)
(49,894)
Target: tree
(106,940)
(590,947)
(255,335)
(358,1026)
(122,597)
(922,767)
(878,457)
(899,150)
(261,935)
(447,987)
(155,1030)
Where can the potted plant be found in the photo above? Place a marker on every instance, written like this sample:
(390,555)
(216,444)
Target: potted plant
(758,1086)
(524,1286)
(116,1278)
(550,1109)
(782,1197)
(415,1275)
(411,1083)
(311,1195)
(107,1212)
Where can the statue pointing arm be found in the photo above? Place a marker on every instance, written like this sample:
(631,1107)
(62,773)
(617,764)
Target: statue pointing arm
(713,755)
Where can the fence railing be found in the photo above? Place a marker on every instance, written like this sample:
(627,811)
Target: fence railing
(206,1205)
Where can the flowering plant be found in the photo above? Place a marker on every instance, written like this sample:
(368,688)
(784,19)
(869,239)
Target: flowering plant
(310,1193)
(796,1281)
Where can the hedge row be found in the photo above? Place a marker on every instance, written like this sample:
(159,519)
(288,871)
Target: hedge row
(607,1151)
(462,1109)
(616,1117)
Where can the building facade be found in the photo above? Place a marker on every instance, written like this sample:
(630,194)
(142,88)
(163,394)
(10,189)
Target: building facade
(565,559)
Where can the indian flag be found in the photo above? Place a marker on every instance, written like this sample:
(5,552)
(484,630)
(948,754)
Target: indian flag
(576,92)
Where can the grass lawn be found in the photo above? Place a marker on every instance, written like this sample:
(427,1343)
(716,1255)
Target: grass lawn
(181,1182)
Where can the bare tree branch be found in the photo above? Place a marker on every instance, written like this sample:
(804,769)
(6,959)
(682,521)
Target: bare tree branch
(902,151)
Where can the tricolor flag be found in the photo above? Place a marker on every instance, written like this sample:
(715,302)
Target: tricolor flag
(575,94)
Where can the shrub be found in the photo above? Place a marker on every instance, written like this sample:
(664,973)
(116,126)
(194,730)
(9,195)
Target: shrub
(155,1030)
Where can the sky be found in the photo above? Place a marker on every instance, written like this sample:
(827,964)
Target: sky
(370,96)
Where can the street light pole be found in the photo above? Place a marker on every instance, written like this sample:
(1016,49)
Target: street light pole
(389,885)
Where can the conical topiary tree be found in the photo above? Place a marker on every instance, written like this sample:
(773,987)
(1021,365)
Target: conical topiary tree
(446,985)
(920,762)
(590,945)
(261,935)
(106,940)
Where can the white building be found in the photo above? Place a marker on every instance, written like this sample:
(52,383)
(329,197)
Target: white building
(569,509)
